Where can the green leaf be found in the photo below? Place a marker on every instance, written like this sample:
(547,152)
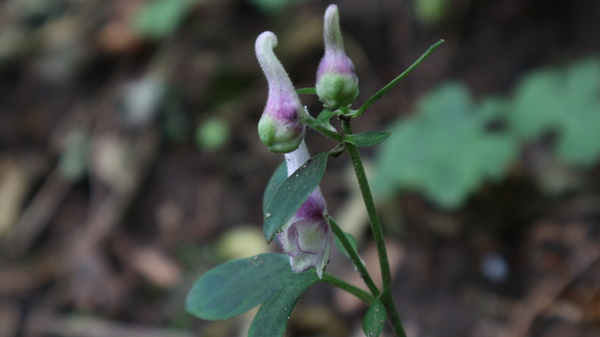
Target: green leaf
(240,285)
(277,178)
(445,151)
(312,91)
(368,138)
(339,245)
(272,318)
(158,19)
(273,7)
(324,117)
(374,319)
(566,101)
(537,105)
(292,193)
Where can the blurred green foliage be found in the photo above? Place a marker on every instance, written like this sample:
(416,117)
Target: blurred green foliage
(448,148)
(431,12)
(272,7)
(444,150)
(566,101)
(158,19)
(212,134)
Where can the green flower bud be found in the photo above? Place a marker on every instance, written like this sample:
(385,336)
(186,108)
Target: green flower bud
(280,127)
(337,84)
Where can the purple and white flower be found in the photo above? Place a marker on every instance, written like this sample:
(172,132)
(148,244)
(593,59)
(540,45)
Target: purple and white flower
(280,127)
(306,238)
(337,84)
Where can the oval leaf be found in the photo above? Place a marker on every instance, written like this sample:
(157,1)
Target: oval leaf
(292,193)
(238,286)
(374,319)
(368,138)
(271,320)
(339,245)
(277,178)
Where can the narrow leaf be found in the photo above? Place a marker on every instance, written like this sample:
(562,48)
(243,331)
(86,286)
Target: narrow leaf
(368,138)
(374,319)
(312,91)
(238,286)
(339,245)
(271,320)
(292,193)
(277,178)
(324,117)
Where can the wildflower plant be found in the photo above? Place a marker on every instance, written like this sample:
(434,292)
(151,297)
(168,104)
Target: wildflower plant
(295,211)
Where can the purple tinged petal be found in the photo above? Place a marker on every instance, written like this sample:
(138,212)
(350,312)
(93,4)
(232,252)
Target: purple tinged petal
(337,84)
(306,238)
(280,127)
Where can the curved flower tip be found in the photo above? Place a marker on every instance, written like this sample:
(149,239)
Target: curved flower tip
(280,127)
(337,84)
(306,238)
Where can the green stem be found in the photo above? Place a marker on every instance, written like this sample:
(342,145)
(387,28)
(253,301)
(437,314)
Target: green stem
(361,294)
(353,254)
(395,81)
(386,275)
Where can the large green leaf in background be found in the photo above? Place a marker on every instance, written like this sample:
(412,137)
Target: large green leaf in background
(273,7)
(566,101)
(240,285)
(444,151)
(157,19)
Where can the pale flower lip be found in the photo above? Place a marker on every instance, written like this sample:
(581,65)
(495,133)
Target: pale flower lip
(280,126)
(306,238)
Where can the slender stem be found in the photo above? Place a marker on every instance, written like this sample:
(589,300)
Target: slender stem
(388,302)
(361,294)
(386,276)
(395,81)
(353,254)
(363,183)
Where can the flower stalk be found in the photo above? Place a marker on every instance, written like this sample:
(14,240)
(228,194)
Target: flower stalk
(386,275)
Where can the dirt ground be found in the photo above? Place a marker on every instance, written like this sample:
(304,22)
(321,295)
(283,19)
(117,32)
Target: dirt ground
(130,164)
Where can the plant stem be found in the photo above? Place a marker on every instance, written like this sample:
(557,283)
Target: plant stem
(386,276)
(361,294)
(353,254)
(395,81)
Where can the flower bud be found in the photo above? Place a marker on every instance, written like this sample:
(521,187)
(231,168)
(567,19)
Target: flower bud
(280,127)
(337,84)
(306,238)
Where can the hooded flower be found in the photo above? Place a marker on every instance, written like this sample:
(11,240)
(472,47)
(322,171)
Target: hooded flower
(306,238)
(280,127)
(337,84)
